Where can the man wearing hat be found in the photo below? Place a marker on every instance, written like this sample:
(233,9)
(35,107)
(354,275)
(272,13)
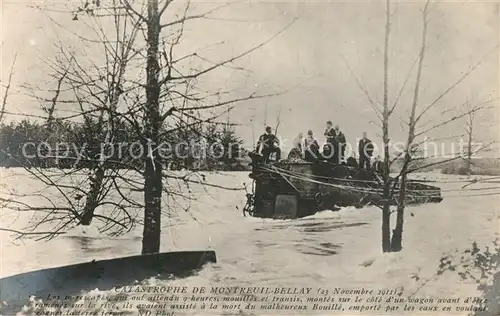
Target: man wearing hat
(268,143)
(329,150)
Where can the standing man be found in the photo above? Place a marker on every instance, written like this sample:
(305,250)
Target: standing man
(365,151)
(341,144)
(268,143)
(311,147)
(330,142)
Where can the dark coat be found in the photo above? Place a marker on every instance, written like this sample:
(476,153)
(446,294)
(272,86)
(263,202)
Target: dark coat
(267,141)
(365,146)
(340,138)
(312,149)
(330,136)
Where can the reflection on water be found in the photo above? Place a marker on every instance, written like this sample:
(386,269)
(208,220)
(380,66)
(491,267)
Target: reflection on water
(90,245)
(84,242)
(318,226)
(262,244)
(318,251)
(303,235)
(324,227)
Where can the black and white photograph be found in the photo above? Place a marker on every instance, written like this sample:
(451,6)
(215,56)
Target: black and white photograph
(249,157)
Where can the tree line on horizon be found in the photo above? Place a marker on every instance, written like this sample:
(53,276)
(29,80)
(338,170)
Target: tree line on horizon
(85,140)
(65,144)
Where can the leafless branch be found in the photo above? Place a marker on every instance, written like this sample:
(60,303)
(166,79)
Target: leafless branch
(230,60)
(4,101)
(192,17)
(377,111)
(455,84)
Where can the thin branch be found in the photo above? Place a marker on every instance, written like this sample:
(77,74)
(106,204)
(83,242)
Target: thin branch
(403,86)
(192,17)
(455,84)
(230,60)
(4,101)
(378,112)
(456,117)
(130,9)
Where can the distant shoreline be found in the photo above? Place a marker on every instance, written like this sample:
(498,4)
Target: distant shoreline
(479,166)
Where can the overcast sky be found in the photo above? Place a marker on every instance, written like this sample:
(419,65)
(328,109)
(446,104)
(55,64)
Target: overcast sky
(311,60)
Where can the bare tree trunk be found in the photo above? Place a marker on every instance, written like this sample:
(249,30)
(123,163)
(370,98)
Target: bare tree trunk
(92,196)
(397,236)
(99,172)
(153,167)
(470,131)
(469,155)
(386,211)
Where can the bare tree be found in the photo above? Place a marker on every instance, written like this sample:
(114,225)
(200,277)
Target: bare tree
(471,124)
(386,212)
(111,94)
(415,118)
(397,236)
(469,129)
(396,189)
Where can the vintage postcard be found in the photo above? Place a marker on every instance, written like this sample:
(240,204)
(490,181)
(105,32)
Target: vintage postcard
(241,157)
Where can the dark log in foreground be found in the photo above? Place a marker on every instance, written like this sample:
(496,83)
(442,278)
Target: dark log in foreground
(105,275)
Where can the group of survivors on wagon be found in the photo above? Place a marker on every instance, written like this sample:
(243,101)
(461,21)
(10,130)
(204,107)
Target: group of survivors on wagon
(308,148)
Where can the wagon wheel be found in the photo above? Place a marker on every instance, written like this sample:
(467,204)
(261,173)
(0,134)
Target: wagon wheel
(318,198)
(249,206)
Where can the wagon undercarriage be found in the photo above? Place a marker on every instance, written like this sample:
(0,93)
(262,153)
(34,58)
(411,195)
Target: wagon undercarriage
(299,189)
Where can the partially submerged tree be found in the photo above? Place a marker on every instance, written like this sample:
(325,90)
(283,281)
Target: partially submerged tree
(395,188)
(111,95)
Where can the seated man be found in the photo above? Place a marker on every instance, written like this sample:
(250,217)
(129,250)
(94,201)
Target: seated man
(268,143)
(351,162)
(297,152)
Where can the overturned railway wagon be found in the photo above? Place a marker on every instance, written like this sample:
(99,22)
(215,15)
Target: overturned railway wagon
(294,189)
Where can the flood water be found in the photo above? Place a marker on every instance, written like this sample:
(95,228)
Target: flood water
(327,249)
